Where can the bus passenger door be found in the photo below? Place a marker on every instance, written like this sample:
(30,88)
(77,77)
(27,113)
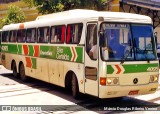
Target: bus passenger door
(91,60)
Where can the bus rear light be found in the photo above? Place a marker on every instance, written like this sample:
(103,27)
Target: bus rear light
(102,81)
(154,78)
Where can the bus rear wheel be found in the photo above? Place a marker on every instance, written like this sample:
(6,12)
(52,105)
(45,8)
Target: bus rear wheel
(22,72)
(75,88)
(14,68)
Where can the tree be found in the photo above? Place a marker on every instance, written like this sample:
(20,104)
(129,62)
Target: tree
(1,23)
(50,6)
(14,15)
(45,6)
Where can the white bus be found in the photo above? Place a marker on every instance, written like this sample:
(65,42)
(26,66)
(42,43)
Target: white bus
(104,54)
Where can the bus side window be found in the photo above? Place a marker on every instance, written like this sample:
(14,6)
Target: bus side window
(40,35)
(53,39)
(46,34)
(91,41)
(63,33)
(74,32)
(43,34)
(31,35)
(21,34)
(58,34)
(13,36)
(5,36)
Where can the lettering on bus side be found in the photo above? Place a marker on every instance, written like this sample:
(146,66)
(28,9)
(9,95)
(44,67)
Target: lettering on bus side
(4,48)
(152,69)
(60,54)
(47,53)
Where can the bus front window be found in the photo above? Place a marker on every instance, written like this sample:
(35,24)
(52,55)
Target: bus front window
(143,40)
(117,42)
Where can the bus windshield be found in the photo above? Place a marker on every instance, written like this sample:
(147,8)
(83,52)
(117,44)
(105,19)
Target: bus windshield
(127,42)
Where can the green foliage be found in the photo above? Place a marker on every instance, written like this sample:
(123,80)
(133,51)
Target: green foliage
(50,6)
(14,15)
(1,23)
(29,2)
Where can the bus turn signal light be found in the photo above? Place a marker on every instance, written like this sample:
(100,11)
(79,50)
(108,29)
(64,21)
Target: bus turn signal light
(102,81)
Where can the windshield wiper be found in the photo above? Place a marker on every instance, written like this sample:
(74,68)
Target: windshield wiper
(127,53)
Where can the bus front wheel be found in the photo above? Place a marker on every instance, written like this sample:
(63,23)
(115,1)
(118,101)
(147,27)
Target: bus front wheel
(22,72)
(75,88)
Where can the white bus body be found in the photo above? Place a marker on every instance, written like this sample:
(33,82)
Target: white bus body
(67,63)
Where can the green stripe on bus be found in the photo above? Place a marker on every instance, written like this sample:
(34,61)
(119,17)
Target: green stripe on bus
(61,53)
(20,49)
(9,48)
(138,68)
(34,63)
(67,53)
(134,68)
(31,50)
(79,51)
(47,52)
(110,70)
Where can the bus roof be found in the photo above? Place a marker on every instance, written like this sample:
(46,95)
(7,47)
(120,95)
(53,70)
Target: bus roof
(80,15)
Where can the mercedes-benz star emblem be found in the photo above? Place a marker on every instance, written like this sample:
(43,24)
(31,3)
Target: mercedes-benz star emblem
(135,81)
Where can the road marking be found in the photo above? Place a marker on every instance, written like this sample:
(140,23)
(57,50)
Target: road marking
(23,92)
(20,89)
(2,88)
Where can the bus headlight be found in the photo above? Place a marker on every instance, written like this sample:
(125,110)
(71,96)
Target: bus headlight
(112,80)
(115,81)
(154,78)
(109,80)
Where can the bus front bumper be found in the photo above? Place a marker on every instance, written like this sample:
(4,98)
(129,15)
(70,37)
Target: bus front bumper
(119,91)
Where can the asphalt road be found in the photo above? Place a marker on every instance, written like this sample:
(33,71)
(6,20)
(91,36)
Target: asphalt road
(50,99)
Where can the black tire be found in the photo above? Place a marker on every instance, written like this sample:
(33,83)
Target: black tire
(22,73)
(14,68)
(75,88)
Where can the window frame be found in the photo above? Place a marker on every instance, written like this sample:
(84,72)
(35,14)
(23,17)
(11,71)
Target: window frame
(91,23)
(79,39)
(132,42)
(35,39)
(61,42)
(11,37)
(24,36)
(7,40)
(43,34)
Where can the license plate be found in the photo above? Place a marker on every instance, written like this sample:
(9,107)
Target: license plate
(133,92)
